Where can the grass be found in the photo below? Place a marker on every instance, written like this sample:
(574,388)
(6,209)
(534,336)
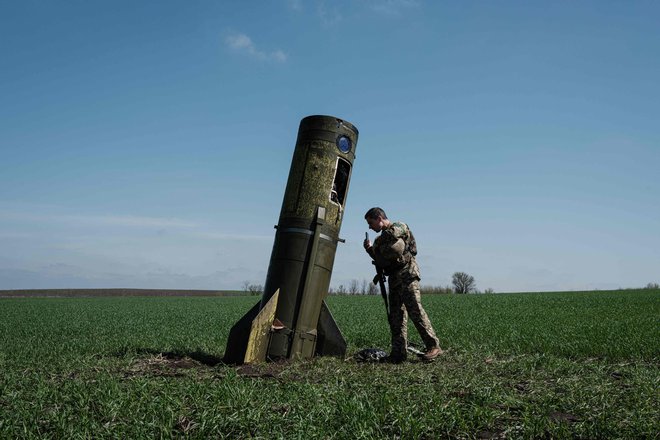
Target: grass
(554,365)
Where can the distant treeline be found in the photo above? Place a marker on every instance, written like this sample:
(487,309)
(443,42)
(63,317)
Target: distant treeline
(355,287)
(78,293)
(366,287)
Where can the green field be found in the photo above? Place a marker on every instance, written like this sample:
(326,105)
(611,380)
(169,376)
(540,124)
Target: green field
(553,365)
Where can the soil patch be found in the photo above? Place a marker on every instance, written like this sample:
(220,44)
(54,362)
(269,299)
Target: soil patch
(166,364)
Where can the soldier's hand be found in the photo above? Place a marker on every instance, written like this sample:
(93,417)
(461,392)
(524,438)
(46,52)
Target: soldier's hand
(366,244)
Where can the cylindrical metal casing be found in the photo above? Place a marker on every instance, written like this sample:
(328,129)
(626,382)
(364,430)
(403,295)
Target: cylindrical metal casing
(308,231)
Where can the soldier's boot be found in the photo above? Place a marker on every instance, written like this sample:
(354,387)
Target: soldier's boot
(432,353)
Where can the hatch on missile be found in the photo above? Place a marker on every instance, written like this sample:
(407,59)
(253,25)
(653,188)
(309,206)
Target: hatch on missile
(340,182)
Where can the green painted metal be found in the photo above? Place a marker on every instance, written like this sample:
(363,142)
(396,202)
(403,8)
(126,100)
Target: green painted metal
(306,241)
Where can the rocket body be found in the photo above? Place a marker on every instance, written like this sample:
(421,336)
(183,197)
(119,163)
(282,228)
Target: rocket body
(303,252)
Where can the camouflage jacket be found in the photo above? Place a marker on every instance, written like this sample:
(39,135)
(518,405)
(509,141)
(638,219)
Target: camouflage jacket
(394,250)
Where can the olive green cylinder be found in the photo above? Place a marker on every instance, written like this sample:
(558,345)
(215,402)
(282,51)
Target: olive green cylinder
(308,231)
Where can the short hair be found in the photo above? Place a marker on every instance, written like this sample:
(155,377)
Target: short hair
(375,213)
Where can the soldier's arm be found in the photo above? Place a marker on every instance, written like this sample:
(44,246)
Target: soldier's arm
(394,250)
(391,248)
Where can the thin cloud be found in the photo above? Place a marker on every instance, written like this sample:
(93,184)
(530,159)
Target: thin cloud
(218,236)
(329,15)
(392,7)
(296,5)
(15,235)
(131,221)
(102,220)
(333,12)
(243,44)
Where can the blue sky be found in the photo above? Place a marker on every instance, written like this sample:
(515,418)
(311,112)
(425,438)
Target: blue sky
(147,144)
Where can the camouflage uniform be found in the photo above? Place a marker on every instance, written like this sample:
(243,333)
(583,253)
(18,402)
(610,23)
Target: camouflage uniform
(394,250)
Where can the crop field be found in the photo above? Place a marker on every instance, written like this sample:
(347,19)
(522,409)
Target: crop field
(551,365)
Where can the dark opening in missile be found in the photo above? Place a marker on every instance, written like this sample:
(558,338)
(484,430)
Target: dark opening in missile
(340,182)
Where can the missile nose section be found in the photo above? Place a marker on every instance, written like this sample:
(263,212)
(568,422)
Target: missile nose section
(292,320)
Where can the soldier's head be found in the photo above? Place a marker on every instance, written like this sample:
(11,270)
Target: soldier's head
(376,219)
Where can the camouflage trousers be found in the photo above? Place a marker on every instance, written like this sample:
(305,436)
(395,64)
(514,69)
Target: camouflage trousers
(405,297)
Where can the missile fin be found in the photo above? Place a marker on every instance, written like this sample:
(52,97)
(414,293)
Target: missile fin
(238,337)
(262,326)
(330,341)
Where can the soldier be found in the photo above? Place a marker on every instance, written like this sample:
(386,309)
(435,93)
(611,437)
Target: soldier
(394,251)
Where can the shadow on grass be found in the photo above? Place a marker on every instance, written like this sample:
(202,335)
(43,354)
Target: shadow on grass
(181,363)
(204,358)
